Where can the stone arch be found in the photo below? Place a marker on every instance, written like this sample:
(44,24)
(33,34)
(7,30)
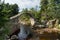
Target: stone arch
(14,21)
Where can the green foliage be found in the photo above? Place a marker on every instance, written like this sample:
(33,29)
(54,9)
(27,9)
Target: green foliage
(34,13)
(50,9)
(6,11)
(24,16)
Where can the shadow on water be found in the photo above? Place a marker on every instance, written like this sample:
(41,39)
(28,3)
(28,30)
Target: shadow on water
(45,36)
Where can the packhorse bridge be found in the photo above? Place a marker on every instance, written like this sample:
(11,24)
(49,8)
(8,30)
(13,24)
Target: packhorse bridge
(16,26)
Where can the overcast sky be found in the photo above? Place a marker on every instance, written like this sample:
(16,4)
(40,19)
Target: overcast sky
(24,3)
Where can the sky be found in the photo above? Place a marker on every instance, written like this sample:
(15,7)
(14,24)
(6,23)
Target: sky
(24,3)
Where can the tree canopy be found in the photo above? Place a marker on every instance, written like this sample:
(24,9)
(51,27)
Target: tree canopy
(50,8)
(6,11)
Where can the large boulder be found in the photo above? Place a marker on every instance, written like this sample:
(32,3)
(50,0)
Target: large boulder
(52,23)
(14,37)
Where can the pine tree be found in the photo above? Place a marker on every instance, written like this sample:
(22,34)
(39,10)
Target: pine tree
(43,10)
(50,9)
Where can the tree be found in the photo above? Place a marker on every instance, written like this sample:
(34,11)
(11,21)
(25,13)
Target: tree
(35,13)
(53,9)
(43,10)
(6,11)
(50,8)
(14,9)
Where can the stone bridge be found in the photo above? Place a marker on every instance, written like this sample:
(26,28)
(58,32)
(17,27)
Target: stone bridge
(14,23)
(14,26)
